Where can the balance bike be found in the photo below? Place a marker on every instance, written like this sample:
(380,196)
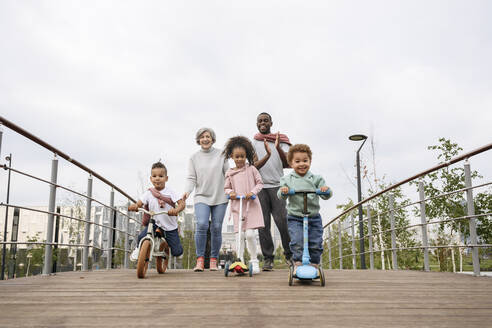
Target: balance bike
(238,266)
(153,244)
(306,272)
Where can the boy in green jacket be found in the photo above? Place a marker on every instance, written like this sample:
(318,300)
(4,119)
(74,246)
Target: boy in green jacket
(299,158)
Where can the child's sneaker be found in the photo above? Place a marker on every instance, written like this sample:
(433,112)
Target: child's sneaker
(213,264)
(134,254)
(256,266)
(200,264)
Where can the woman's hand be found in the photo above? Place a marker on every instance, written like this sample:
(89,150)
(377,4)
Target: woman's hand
(249,195)
(232,195)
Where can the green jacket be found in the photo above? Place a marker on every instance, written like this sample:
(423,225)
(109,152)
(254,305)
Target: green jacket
(309,181)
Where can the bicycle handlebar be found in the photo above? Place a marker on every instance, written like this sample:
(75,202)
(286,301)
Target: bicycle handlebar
(150,212)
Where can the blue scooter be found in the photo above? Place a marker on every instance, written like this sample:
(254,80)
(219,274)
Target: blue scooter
(306,272)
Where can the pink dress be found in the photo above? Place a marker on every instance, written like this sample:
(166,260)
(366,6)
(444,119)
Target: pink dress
(242,181)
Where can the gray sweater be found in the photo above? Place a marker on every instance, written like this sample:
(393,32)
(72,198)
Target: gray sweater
(206,170)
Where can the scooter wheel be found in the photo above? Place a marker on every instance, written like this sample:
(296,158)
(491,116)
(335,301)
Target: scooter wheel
(226,268)
(321,276)
(250,269)
(291,276)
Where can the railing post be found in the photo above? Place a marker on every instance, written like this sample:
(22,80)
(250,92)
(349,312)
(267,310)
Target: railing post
(109,257)
(48,250)
(340,252)
(381,244)
(87,229)
(354,262)
(369,230)
(127,231)
(329,247)
(393,235)
(423,221)
(471,211)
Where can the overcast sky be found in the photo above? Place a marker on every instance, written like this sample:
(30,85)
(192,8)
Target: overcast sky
(118,85)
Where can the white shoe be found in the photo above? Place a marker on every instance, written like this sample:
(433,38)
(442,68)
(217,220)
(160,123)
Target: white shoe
(256,266)
(134,254)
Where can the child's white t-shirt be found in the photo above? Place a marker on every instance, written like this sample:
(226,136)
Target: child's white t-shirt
(164,221)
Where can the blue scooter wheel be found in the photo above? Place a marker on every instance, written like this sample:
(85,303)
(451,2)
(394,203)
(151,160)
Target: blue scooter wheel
(250,268)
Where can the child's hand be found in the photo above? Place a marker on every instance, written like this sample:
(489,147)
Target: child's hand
(133,207)
(232,195)
(249,195)
(324,188)
(173,212)
(284,190)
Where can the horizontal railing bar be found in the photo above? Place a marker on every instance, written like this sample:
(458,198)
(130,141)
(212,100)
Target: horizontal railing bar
(44,144)
(68,189)
(418,175)
(63,216)
(439,196)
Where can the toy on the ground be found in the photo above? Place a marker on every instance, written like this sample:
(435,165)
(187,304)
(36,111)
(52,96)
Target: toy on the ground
(306,272)
(153,244)
(239,267)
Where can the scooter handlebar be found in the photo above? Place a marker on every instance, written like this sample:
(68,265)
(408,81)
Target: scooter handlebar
(317,192)
(241,197)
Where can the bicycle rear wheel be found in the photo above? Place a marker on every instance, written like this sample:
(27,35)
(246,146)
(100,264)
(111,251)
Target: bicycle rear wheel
(161,263)
(143,259)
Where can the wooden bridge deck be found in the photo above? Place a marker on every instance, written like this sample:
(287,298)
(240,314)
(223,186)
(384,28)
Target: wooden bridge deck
(186,299)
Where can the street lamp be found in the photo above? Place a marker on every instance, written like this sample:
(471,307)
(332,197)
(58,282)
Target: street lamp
(360,137)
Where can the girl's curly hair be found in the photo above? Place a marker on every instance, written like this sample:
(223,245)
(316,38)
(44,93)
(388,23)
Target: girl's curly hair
(239,141)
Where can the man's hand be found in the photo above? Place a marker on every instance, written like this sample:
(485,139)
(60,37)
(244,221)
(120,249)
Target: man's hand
(267,148)
(284,190)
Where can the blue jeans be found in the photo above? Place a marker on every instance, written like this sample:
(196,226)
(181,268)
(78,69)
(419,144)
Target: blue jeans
(172,238)
(315,237)
(202,214)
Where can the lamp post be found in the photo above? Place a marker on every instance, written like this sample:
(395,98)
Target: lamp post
(360,137)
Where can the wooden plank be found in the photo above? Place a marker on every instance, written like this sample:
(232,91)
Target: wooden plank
(183,298)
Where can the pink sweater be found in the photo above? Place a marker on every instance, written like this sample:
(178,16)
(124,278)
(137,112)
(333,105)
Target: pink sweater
(243,181)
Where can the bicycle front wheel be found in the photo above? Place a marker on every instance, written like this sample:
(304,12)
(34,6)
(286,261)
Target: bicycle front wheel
(143,259)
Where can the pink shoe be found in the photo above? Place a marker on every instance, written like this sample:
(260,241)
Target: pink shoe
(213,264)
(200,264)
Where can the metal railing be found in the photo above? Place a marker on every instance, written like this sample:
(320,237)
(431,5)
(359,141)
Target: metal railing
(88,221)
(337,237)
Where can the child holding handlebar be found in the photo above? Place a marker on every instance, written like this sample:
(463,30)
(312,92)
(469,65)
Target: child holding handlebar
(244,180)
(157,199)
(299,158)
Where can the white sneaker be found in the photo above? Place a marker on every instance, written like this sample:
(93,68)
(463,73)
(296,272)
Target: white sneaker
(134,254)
(256,266)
